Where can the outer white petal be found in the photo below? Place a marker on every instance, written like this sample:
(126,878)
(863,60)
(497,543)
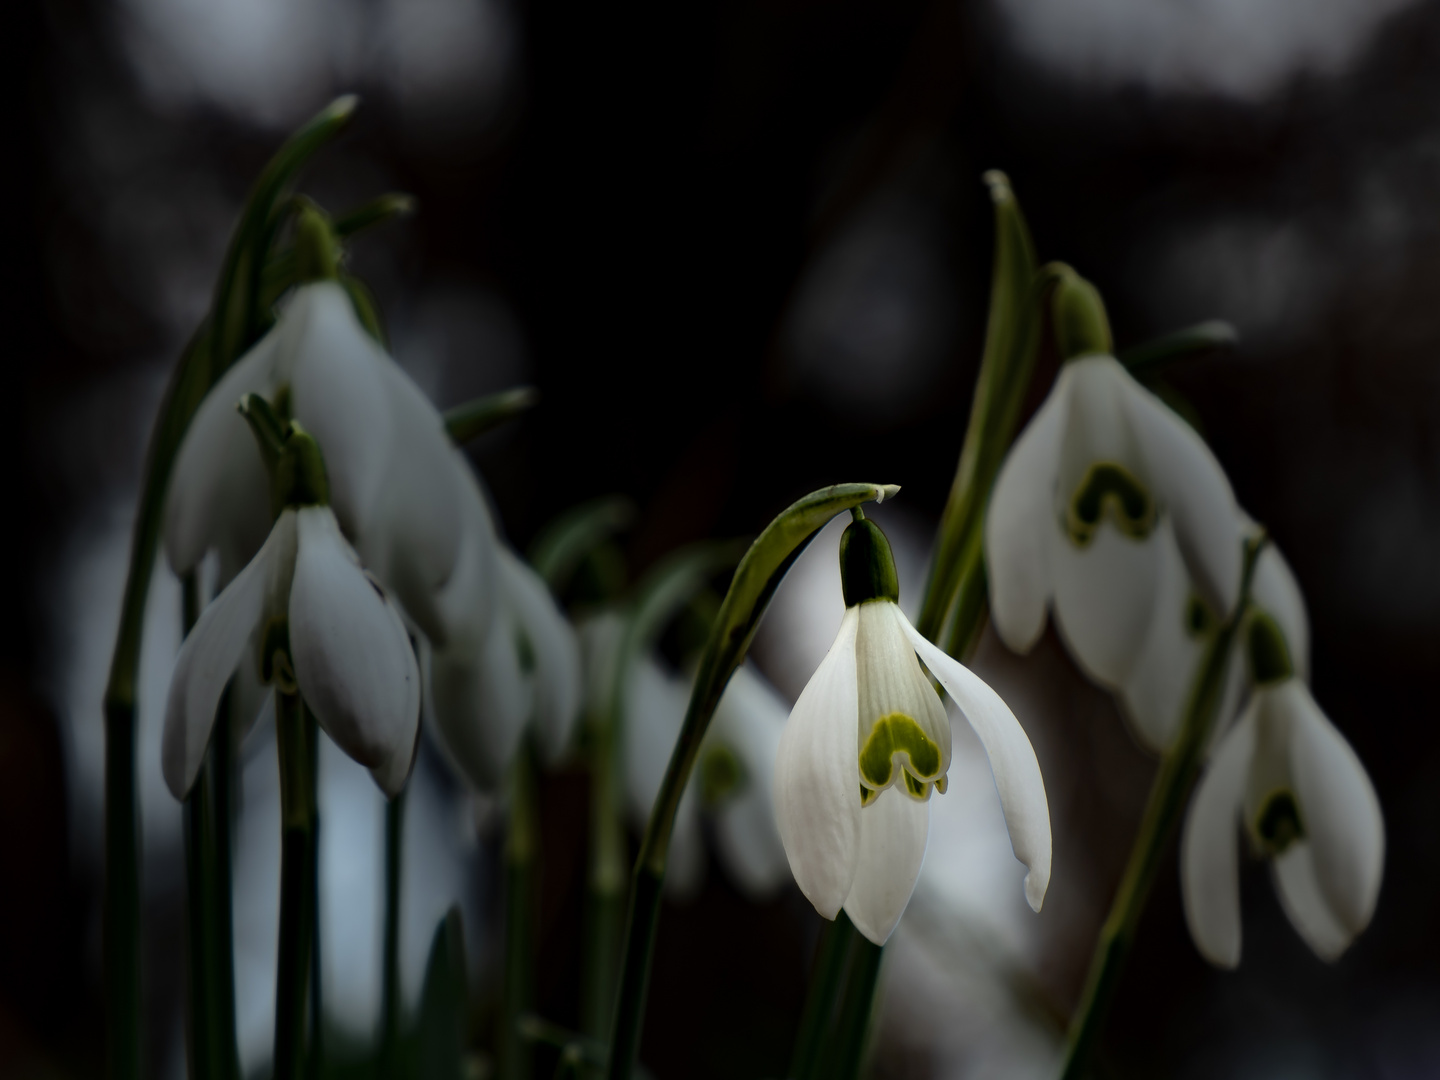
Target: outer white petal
(750,719)
(1339,810)
(210,656)
(219,493)
(893,831)
(1020,525)
(1305,904)
(1275,591)
(817,778)
(1012,762)
(1155,692)
(336,372)
(1192,488)
(465,608)
(1104,598)
(556,650)
(1209,848)
(481,700)
(353,659)
(391,775)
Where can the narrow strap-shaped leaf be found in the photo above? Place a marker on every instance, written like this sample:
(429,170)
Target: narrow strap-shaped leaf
(1211,336)
(475,417)
(564,544)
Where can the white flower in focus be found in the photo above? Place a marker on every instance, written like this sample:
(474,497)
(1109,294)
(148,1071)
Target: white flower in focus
(731,784)
(321,625)
(868,741)
(1154,695)
(1289,778)
(1074,519)
(386,453)
(509,654)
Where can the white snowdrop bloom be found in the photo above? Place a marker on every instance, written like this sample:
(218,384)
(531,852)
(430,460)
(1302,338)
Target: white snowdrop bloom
(1077,509)
(386,452)
(1288,779)
(508,657)
(732,783)
(325,628)
(1154,694)
(867,742)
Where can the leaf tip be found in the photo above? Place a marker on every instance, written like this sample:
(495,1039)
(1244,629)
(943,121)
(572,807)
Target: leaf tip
(886,491)
(999,185)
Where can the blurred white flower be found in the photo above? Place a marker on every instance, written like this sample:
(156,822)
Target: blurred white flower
(1079,510)
(1306,804)
(388,458)
(305,601)
(867,742)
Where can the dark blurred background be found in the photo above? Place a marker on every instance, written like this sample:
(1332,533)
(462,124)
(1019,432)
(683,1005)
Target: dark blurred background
(743,250)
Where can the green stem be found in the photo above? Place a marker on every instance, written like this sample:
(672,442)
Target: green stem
(522,847)
(298,746)
(390,1002)
(827,982)
(756,579)
(1179,769)
(605,892)
(846,1049)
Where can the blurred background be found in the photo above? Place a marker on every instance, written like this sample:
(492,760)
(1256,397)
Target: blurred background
(743,250)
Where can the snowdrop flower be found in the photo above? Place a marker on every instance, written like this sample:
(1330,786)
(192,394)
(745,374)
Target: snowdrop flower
(508,653)
(1079,510)
(1154,694)
(732,783)
(388,456)
(321,627)
(1305,803)
(868,741)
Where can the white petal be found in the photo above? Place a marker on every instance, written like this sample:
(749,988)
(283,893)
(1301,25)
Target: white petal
(890,681)
(353,659)
(219,492)
(1209,848)
(466,606)
(340,395)
(1157,689)
(1020,525)
(817,778)
(1012,762)
(1276,592)
(556,652)
(481,700)
(1104,598)
(1305,904)
(392,774)
(1338,808)
(210,656)
(750,719)
(1190,486)
(893,831)
(1095,427)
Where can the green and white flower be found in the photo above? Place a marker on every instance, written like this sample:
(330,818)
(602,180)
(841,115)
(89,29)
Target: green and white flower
(1102,469)
(1287,779)
(324,628)
(869,740)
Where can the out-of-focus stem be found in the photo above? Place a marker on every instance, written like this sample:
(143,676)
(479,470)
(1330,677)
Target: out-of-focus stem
(390,1001)
(522,849)
(605,888)
(298,745)
(827,981)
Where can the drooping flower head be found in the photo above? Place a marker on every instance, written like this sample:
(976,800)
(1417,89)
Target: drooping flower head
(869,741)
(1288,780)
(316,623)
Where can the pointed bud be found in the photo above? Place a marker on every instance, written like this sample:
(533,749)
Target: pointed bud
(317,252)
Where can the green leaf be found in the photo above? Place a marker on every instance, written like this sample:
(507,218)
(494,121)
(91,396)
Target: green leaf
(444,1002)
(1214,335)
(474,418)
(280,272)
(1011,342)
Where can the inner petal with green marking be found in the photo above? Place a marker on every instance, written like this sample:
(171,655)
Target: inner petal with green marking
(1108,489)
(1278,823)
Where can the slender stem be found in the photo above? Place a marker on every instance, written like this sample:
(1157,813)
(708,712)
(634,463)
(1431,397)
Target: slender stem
(522,846)
(847,1047)
(1179,769)
(298,744)
(390,1003)
(605,889)
(826,985)
(121,925)
(315,1056)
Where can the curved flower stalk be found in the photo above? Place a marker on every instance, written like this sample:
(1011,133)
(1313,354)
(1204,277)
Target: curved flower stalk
(506,653)
(1306,804)
(1077,519)
(323,627)
(869,740)
(732,784)
(1154,694)
(388,456)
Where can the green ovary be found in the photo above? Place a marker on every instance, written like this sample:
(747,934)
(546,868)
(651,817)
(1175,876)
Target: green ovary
(898,739)
(1113,490)
(1278,824)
